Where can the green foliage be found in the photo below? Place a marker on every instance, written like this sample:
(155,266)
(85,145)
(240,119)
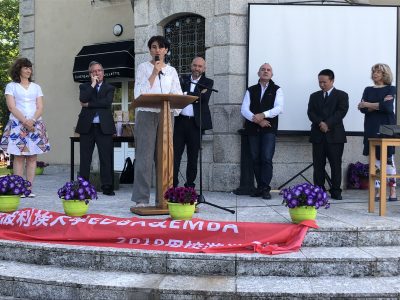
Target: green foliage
(9,48)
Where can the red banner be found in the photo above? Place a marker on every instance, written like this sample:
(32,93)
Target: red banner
(196,235)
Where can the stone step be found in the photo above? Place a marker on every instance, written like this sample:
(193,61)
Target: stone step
(21,280)
(353,236)
(308,262)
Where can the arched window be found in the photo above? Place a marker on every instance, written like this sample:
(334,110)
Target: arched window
(186,35)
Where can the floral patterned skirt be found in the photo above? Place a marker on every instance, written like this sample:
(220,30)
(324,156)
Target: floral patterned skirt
(18,140)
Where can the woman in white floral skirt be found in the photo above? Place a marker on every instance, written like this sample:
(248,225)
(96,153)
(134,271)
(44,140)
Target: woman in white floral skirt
(25,134)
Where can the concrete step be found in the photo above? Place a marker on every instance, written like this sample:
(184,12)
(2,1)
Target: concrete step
(351,236)
(21,280)
(309,261)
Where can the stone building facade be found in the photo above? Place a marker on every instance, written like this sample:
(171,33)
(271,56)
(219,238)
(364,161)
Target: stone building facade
(226,42)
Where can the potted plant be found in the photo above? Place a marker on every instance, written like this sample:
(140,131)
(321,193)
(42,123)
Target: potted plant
(181,202)
(303,201)
(40,165)
(357,176)
(4,162)
(76,195)
(12,187)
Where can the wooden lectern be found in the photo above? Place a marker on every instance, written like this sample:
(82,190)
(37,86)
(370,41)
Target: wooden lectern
(165,151)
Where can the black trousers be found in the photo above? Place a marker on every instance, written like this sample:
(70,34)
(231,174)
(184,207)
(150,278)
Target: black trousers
(186,133)
(105,147)
(333,152)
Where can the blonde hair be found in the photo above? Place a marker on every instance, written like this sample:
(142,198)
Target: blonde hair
(386,73)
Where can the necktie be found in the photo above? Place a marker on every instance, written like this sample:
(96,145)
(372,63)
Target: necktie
(325,97)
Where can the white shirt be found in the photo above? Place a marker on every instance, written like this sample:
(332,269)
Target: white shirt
(188,110)
(166,84)
(271,113)
(25,99)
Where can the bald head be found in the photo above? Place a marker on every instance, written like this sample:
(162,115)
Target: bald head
(198,67)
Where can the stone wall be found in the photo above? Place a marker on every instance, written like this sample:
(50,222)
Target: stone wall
(226,44)
(27,29)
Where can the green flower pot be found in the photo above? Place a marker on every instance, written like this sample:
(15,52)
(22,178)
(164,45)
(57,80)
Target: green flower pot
(179,211)
(302,213)
(39,171)
(75,208)
(9,203)
(5,171)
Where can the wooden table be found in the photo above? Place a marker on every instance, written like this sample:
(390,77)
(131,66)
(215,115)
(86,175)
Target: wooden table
(116,139)
(383,143)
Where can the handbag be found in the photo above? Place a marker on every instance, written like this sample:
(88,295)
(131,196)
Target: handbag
(127,129)
(127,174)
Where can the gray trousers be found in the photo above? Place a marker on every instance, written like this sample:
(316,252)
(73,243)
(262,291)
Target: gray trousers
(145,132)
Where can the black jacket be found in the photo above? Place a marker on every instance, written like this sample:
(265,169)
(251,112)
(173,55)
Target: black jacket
(205,98)
(98,102)
(332,113)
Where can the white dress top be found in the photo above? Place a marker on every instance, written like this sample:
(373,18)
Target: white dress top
(168,83)
(25,99)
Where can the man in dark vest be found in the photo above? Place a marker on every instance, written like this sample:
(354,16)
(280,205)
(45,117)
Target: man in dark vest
(261,106)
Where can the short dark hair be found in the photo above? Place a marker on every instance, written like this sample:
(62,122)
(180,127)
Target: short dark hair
(161,41)
(327,72)
(15,70)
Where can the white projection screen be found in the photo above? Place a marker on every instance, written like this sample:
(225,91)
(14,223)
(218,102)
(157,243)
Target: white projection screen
(301,40)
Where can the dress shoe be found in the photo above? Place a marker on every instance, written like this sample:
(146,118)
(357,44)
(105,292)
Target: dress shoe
(256,193)
(336,197)
(109,192)
(392,198)
(266,195)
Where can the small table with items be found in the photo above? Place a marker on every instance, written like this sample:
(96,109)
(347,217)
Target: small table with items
(116,139)
(383,143)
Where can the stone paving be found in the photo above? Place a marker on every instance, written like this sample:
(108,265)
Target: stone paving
(352,211)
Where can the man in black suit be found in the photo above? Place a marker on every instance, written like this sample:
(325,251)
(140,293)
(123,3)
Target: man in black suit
(96,126)
(187,124)
(326,110)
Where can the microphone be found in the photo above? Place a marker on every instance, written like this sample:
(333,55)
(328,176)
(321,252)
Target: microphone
(157,58)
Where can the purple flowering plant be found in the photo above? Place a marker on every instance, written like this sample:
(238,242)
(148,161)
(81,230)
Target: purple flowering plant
(355,172)
(80,189)
(305,194)
(14,185)
(183,195)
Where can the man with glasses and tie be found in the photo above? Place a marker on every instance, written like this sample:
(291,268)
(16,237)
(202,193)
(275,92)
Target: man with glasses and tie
(96,126)
(326,111)
(261,107)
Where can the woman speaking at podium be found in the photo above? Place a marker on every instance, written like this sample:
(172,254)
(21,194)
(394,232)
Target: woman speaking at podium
(152,77)
(378,106)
